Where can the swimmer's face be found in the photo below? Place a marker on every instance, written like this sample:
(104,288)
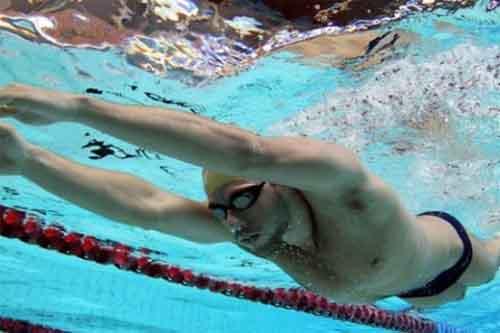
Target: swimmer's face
(252,211)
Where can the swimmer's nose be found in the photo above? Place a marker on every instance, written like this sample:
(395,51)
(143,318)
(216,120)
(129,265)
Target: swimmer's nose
(235,224)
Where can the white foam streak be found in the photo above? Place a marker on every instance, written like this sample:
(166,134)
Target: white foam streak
(441,114)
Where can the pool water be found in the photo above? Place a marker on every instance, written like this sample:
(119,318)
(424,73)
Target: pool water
(426,119)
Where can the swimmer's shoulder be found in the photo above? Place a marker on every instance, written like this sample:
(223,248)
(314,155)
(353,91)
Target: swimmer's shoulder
(373,201)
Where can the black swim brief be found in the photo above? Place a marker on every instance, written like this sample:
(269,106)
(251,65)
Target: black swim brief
(449,277)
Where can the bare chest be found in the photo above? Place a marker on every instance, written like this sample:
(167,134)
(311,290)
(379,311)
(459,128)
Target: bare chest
(353,258)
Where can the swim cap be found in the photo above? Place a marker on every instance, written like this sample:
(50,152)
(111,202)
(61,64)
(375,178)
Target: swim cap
(214,180)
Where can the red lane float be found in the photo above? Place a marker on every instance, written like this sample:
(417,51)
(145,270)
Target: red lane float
(9,325)
(31,229)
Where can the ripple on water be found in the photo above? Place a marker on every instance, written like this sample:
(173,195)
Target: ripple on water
(441,114)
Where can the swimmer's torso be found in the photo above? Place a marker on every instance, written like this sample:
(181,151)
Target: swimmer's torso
(359,252)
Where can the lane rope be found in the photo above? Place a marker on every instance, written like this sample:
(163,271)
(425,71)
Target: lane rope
(9,325)
(31,229)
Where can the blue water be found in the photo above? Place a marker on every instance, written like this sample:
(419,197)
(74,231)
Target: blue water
(454,166)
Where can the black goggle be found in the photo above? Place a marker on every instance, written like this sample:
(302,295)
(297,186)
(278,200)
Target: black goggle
(239,200)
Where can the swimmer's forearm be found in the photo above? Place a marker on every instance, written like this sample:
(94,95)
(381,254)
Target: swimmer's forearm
(184,136)
(115,195)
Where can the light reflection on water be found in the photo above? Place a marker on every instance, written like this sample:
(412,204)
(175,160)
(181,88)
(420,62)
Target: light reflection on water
(207,39)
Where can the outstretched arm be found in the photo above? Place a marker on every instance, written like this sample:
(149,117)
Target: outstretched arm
(116,195)
(297,162)
(122,197)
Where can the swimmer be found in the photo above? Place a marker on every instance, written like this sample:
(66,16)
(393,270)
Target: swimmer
(308,206)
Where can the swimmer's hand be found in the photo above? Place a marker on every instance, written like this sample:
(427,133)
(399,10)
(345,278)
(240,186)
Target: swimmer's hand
(14,150)
(37,106)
